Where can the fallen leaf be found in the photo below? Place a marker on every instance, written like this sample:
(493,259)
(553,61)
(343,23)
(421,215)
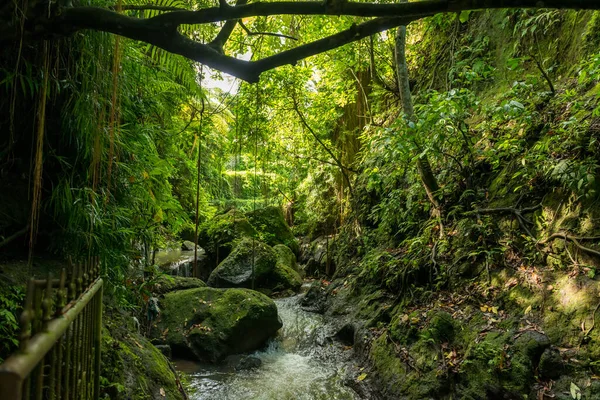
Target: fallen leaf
(361,377)
(528,310)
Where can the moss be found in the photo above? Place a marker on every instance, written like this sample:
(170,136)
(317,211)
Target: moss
(417,379)
(285,272)
(441,327)
(286,256)
(271,225)
(249,257)
(132,368)
(218,235)
(213,323)
(286,277)
(165,284)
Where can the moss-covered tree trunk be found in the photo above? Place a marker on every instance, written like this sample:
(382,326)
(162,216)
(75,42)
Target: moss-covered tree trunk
(423,165)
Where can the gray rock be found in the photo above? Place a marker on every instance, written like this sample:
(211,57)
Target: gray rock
(189,246)
(315,299)
(551,364)
(165,349)
(248,362)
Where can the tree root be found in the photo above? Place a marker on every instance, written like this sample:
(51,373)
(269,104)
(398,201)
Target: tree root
(519,213)
(574,239)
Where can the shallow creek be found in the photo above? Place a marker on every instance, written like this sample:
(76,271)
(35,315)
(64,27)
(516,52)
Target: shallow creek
(301,363)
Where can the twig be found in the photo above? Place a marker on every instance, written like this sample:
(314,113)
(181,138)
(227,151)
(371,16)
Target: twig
(14,236)
(179,385)
(250,33)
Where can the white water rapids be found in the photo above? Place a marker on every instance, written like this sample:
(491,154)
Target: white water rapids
(300,364)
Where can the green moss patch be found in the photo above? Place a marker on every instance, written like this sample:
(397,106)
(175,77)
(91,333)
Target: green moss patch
(210,324)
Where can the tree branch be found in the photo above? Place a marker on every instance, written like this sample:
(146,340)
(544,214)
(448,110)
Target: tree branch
(337,160)
(250,33)
(130,7)
(162,30)
(227,29)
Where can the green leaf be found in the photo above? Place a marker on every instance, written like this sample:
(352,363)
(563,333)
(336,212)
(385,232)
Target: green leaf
(575,391)
(464,16)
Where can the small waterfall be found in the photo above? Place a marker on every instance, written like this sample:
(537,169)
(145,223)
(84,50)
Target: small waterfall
(300,364)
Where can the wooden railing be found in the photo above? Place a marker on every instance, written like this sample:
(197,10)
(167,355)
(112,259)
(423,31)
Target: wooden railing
(59,353)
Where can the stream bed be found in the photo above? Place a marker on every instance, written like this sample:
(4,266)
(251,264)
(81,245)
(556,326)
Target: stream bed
(302,363)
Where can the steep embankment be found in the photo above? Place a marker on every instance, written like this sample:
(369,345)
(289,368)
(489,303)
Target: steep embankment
(498,298)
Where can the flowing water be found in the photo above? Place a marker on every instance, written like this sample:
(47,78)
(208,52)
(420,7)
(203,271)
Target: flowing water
(300,364)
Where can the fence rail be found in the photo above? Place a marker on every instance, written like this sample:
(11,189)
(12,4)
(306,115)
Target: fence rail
(59,353)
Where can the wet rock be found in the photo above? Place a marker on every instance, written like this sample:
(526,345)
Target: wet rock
(551,364)
(165,349)
(248,362)
(346,334)
(315,299)
(188,245)
(252,260)
(210,324)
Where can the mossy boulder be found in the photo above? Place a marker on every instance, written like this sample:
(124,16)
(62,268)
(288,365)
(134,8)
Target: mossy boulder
(218,235)
(286,256)
(254,259)
(250,257)
(210,324)
(270,224)
(132,367)
(286,274)
(165,284)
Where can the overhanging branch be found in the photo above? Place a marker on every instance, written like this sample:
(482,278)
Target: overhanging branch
(162,30)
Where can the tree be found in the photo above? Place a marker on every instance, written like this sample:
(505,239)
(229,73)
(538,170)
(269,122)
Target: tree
(164,30)
(423,166)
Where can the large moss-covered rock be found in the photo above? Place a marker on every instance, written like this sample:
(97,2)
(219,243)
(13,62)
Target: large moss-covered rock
(286,256)
(286,275)
(132,368)
(165,284)
(218,235)
(251,259)
(210,324)
(271,225)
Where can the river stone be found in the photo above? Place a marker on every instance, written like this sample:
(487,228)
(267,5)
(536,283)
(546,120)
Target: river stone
(248,362)
(189,246)
(315,299)
(270,272)
(210,324)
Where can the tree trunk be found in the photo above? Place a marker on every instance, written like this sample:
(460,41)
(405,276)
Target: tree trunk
(423,166)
